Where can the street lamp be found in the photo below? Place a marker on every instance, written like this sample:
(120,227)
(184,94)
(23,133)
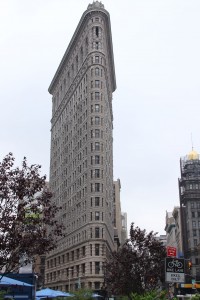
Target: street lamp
(69,277)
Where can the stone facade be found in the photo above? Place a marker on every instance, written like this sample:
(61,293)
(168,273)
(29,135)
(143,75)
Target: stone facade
(178,230)
(81,166)
(189,192)
(117,212)
(170,230)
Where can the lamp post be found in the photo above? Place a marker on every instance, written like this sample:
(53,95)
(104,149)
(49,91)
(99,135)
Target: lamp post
(69,277)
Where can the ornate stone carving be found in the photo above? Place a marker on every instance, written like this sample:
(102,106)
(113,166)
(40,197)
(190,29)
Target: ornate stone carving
(95,4)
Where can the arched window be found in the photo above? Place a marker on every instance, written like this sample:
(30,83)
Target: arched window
(96,71)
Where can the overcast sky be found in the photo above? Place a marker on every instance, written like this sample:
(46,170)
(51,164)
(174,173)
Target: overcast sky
(156,105)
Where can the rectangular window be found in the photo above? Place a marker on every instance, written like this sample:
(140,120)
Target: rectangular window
(97,96)
(83,268)
(97,285)
(97,249)
(193,224)
(195,242)
(97,159)
(77,271)
(192,205)
(97,215)
(97,201)
(97,133)
(97,267)
(97,108)
(97,146)
(194,232)
(97,232)
(97,187)
(97,173)
(97,59)
(97,73)
(193,214)
(97,120)
(97,83)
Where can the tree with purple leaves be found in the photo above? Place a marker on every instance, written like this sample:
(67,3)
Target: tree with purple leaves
(138,265)
(28,226)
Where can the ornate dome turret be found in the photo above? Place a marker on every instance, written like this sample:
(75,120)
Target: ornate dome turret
(193,155)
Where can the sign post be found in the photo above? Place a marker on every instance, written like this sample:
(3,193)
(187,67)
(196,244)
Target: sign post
(174,270)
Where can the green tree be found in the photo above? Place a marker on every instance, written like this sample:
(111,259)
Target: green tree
(27,217)
(138,266)
(81,294)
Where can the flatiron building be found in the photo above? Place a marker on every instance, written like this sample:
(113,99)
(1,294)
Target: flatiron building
(81,163)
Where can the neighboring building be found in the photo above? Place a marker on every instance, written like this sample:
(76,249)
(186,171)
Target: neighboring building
(163,239)
(39,270)
(124,234)
(178,231)
(120,218)
(170,230)
(189,192)
(117,212)
(81,168)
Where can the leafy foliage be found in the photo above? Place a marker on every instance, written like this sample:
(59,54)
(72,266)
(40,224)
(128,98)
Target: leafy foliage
(81,294)
(2,294)
(137,266)
(196,297)
(27,218)
(152,295)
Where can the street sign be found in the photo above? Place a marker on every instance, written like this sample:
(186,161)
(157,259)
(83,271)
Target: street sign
(171,251)
(174,269)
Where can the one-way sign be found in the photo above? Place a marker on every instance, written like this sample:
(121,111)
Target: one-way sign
(174,270)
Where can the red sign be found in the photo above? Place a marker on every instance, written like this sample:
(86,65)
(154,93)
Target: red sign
(171,251)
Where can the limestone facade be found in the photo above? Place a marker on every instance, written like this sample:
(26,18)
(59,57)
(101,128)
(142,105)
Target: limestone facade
(81,162)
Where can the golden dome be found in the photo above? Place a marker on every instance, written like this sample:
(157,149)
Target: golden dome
(193,155)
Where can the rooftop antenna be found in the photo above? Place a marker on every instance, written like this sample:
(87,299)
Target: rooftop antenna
(192,142)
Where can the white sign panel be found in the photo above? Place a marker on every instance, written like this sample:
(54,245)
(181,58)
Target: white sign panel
(175,277)
(174,270)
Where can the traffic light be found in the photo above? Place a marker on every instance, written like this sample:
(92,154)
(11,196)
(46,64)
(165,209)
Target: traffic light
(189,265)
